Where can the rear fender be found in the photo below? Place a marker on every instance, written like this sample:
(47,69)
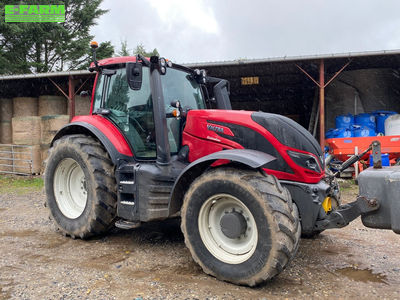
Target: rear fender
(117,152)
(248,158)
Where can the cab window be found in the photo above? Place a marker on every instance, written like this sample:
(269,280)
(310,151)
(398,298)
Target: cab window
(132,112)
(178,85)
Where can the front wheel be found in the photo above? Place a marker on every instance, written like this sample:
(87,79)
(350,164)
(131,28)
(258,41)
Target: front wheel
(240,226)
(80,186)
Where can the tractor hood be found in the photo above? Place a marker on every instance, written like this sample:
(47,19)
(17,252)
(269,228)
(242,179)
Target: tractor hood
(298,154)
(288,132)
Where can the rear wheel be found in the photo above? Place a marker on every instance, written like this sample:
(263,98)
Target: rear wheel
(240,226)
(80,186)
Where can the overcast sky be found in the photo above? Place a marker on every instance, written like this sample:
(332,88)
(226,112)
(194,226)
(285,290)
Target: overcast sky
(214,30)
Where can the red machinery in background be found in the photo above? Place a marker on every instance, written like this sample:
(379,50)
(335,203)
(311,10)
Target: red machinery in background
(343,148)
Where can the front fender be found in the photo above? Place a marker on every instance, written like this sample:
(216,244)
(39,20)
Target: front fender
(109,136)
(250,158)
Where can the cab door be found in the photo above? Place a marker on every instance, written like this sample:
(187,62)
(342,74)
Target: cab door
(130,110)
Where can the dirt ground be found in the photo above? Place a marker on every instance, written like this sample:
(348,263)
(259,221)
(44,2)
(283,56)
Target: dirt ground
(152,262)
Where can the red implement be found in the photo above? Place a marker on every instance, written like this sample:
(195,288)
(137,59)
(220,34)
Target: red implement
(342,148)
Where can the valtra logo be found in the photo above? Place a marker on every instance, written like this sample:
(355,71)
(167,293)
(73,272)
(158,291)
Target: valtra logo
(215,128)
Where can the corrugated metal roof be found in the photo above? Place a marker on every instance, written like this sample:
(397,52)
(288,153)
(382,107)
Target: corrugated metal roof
(226,63)
(50,74)
(294,58)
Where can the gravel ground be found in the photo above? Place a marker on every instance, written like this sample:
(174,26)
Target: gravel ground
(152,262)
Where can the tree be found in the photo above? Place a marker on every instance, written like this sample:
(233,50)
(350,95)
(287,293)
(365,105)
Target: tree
(45,47)
(124,49)
(105,50)
(141,50)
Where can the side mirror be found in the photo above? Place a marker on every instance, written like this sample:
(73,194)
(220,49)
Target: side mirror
(176,104)
(134,73)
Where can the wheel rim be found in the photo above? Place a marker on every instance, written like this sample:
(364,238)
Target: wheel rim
(229,250)
(70,188)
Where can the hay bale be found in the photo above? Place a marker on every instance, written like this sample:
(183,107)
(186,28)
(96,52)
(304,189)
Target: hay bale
(44,154)
(26,131)
(25,106)
(52,105)
(5,132)
(82,105)
(27,159)
(44,150)
(6,109)
(50,125)
(6,161)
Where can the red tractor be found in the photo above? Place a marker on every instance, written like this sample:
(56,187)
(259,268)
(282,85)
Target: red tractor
(246,184)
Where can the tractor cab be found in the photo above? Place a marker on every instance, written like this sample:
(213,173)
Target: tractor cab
(148,99)
(133,110)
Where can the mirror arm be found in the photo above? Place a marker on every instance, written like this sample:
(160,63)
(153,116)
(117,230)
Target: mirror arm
(143,59)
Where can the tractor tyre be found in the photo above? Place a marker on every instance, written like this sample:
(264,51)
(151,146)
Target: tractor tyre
(80,186)
(240,226)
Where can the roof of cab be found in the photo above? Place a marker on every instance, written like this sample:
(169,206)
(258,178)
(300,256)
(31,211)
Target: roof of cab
(117,60)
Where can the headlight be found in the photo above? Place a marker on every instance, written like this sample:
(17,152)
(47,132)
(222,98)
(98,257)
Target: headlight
(163,62)
(305,160)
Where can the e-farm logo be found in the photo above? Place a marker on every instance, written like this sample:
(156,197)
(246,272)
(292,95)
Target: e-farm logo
(35,13)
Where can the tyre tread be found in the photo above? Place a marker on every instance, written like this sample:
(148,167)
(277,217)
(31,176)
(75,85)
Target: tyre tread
(278,203)
(102,217)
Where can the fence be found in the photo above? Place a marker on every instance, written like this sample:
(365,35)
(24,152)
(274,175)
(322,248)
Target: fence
(18,159)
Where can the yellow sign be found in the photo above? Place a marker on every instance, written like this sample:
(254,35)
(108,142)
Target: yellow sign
(250,80)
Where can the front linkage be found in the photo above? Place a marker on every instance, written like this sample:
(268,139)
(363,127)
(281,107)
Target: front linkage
(346,213)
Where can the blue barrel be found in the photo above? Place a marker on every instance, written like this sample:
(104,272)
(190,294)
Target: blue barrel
(367,120)
(344,121)
(385,160)
(338,133)
(381,116)
(362,131)
(330,133)
(343,132)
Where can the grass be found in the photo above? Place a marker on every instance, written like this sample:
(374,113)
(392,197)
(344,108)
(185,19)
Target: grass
(20,184)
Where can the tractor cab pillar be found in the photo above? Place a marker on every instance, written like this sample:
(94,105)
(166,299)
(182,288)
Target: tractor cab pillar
(158,66)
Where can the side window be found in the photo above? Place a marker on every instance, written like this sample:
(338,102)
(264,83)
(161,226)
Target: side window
(98,92)
(132,111)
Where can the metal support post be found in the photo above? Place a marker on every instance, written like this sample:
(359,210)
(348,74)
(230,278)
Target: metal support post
(71,93)
(322,85)
(322,104)
(71,97)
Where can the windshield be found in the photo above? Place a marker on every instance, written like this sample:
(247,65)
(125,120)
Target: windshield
(178,85)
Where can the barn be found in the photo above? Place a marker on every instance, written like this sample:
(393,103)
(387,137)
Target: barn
(312,90)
